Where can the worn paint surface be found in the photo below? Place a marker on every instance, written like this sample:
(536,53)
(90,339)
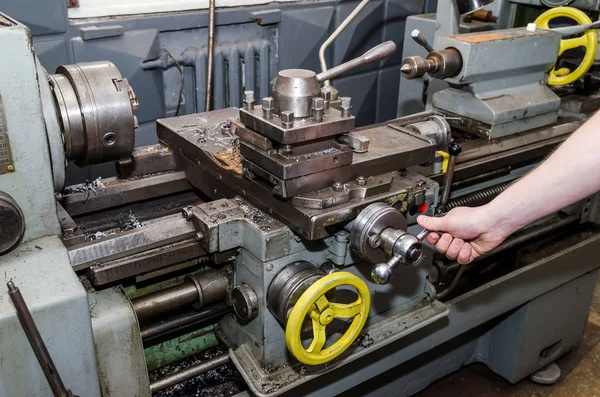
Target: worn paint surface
(176,349)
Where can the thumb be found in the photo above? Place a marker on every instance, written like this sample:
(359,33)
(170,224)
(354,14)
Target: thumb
(433,224)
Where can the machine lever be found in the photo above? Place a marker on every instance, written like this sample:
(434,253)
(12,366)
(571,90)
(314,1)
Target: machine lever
(420,39)
(37,343)
(454,150)
(375,54)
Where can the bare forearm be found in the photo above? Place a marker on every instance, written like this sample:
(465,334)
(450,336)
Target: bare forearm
(570,174)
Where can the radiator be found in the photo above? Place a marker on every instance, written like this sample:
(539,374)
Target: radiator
(238,67)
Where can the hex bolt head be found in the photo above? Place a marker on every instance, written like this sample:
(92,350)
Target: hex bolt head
(318,103)
(248,100)
(346,106)
(326,98)
(287,119)
(361,181)
(420,183)
(268,103)
(338,186)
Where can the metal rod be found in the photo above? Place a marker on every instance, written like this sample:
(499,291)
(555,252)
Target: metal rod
(201,288)
(36,341)
(211,52)
(454,150)
(375,54)
(189,373)
(169,299)
(171,324)
(336,34)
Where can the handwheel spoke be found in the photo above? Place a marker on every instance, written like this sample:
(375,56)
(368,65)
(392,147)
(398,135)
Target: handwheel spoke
(322,303)
(569,44)
(346,310)
(319,338)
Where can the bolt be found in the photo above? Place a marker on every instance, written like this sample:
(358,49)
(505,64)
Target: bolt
(346,106)
(374,241)
(226,128)
(199,236)
(326,99)
(287,119)
(268,106)
(318,105)
(249,100)
(286,149)
(361,181)
(338,186)
(269,267)
(187,213)
(420,183)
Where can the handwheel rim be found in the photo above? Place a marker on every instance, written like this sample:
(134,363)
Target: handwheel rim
(312,299)
(589,40)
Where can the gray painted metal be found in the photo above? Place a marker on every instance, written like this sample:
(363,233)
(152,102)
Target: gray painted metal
(413,93)
(476,331)
(118,343)
(506,93)
(31,184)
(59,305)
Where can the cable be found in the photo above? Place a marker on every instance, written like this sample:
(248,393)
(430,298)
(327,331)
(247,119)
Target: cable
(180,68)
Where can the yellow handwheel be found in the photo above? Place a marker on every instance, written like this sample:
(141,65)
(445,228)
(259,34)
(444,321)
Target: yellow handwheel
(589,40)
(314,305)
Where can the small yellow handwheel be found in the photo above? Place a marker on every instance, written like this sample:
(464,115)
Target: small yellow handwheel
(589,40)
(314,305)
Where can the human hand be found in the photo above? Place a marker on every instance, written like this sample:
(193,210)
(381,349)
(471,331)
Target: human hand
(475,225)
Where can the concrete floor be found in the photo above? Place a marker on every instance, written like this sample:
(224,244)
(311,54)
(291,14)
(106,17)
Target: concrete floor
(580,372)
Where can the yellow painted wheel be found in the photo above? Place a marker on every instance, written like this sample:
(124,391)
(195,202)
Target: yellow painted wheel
(589,40)
(314,305)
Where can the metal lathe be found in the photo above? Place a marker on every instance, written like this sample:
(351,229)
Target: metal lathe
(269,246)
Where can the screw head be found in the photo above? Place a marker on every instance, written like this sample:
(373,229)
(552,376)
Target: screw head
(268,103)
(338,186)
(318,103)
(249,96)
(361,181)
(346,102)
(420,183)
(374,241)
(287,117)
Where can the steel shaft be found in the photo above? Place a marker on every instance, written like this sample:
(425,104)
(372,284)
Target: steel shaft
(36,341)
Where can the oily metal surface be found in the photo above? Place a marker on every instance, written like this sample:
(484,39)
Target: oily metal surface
(389,150)
(302,130)
(96,107)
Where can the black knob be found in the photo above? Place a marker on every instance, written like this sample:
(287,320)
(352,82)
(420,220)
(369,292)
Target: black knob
(454,149)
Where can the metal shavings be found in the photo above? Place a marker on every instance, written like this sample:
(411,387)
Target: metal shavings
(217,136)
(85,187)
(363,341)
(253,213)
(128,223)
(131,223)
(219,382)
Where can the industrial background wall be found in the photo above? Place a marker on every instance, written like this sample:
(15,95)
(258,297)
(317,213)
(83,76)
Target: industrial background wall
(251,45)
